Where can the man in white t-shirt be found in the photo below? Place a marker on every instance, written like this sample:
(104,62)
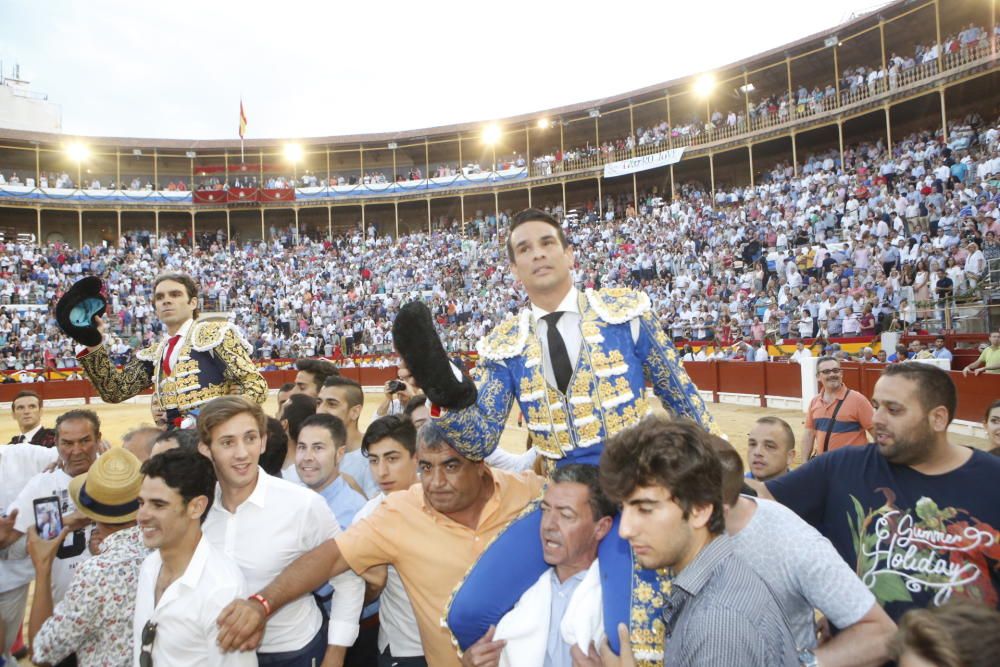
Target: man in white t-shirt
(18,464)
(804,572)
(185,581)
(78,436)
(800,353)
(390,445)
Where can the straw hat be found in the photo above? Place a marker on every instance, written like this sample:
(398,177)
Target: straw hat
(109,491)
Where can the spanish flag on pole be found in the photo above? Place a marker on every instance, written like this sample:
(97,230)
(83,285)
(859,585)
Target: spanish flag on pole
(243,128)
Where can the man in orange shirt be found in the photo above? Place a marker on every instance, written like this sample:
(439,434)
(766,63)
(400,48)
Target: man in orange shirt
(431,534)
(838,416)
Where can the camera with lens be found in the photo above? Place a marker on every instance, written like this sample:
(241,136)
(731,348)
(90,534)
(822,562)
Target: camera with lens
(396,386)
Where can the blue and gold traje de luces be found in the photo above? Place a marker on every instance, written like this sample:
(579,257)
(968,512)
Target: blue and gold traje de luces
(622,346)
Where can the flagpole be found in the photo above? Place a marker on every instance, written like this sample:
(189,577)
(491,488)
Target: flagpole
(243,123)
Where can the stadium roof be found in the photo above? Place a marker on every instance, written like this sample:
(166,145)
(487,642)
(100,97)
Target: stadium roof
(778,53)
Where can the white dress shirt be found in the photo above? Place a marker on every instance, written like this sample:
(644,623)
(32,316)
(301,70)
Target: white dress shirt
(569,328)
(176,352)
(397,622)
(279,522)
(185,616)
(504,460)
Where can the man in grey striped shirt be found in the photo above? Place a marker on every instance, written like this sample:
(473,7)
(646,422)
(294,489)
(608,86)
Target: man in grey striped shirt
(719,612)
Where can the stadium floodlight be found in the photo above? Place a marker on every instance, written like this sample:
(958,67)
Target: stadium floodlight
(491,134)
(77,151)
(832,40)
(393,145)
(748,88)
(544,123)
(190,155)
(594,113)
(704,85)
(293,152)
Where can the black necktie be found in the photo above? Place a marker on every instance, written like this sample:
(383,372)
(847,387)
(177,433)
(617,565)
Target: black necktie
(17,439)
(561,366)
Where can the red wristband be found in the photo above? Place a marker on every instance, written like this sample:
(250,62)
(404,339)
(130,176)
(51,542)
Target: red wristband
(263,602)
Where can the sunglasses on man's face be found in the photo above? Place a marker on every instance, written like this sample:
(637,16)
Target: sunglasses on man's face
(830,371)
(148,637)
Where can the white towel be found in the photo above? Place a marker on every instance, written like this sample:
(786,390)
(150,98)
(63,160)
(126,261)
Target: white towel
(526,626)
(583,622)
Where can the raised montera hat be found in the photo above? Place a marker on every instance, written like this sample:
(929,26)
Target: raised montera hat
(77,309)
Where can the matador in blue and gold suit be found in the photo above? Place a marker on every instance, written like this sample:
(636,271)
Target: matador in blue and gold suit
(621,347)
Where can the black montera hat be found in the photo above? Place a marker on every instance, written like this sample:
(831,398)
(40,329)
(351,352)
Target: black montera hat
(418,344)
(77,309)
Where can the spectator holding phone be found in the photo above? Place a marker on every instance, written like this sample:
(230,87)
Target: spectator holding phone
(93,621)
(78,437)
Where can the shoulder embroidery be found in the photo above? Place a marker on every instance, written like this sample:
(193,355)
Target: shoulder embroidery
(151,353)
(617,305)
(209,335)
(507,339)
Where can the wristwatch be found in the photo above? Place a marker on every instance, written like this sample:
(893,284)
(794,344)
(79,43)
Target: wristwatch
(807,658)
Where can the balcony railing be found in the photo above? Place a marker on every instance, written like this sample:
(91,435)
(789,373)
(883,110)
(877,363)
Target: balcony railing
(697,136)
(701,135)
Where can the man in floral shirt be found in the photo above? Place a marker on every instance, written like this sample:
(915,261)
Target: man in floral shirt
(93,621)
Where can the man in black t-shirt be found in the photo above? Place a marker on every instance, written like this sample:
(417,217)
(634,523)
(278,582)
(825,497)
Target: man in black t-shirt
(915,515)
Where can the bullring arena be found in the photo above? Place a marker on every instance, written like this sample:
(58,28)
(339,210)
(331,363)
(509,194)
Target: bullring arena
(838,194)
(735,420)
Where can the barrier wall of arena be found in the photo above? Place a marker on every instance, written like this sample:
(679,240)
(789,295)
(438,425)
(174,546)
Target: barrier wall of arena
(763,382)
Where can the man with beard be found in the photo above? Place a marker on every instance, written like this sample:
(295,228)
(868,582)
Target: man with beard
(914,514)
(837,416)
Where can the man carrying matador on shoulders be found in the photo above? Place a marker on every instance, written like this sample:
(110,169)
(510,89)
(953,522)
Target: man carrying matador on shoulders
(576,363)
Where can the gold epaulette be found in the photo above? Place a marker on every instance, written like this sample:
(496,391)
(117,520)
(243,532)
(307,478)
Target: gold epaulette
(507,339)
(207,335)
(616,305)
(151,353)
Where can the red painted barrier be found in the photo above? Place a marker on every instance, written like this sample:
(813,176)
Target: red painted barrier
(703,374)
(742,377)
(372,377)
(782,379)
(761,379)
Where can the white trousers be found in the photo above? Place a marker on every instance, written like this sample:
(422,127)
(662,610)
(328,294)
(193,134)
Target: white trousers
(12,605)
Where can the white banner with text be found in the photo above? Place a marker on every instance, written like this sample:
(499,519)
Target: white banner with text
(632,165)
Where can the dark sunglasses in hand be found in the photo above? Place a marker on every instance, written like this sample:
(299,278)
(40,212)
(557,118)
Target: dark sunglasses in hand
(148,637)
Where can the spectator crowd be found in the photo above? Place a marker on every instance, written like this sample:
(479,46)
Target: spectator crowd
(888,240)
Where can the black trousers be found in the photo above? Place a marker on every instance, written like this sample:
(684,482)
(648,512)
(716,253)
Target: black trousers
(364,652)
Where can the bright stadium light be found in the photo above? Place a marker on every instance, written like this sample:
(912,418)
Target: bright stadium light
(293,152)
(704,85)
(77,151)
(544,123)
(491,133)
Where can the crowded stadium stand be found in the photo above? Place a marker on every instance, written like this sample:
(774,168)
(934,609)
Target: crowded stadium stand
(831,190)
